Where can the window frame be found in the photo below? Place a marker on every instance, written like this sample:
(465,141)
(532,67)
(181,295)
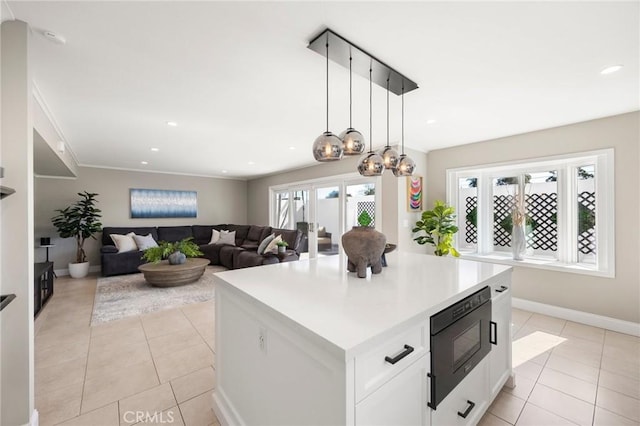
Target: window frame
(567,191)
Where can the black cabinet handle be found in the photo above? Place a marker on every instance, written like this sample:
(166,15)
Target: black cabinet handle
(430,404)
(407,350)
(501,289)
(493,331)
(468,410)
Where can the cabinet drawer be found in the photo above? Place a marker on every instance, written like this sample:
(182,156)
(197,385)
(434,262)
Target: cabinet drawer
(372,369)
(469,398)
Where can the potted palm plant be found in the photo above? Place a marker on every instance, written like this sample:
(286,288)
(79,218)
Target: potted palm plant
(80,220)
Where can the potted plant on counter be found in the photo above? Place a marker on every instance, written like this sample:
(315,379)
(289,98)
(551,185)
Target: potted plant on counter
(437,228)
(81,221)
(364,247)
(176,253)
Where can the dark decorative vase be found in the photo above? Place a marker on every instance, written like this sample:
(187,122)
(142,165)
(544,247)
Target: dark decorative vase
(364,247)
(177,258)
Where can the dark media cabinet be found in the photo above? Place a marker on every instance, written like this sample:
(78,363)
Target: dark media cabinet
(43,285)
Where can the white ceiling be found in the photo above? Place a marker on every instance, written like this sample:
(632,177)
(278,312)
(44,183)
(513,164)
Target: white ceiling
(242,86)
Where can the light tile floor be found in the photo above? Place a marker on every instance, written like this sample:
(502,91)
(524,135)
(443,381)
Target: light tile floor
(162,364)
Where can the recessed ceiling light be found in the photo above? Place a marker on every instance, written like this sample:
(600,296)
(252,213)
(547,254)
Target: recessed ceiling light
(611,69)
(251,163)
(56,38)
(172,123)
(224,171)
(431,121)
(144,163)
(155,149)
(292,148)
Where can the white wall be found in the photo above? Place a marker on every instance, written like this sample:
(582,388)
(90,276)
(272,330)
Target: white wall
(219,201)
(618,297)
(16,227)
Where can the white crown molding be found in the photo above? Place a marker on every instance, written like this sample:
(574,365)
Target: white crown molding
(614,324)
(125,169)
(54,177)
(37,94)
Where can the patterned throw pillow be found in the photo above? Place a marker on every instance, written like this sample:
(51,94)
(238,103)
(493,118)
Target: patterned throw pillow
(273,245)
(263,245)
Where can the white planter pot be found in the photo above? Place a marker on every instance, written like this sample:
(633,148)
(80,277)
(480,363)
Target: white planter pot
(78,270)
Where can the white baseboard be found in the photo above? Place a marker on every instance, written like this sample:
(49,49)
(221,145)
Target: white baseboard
(614,324)
(35,419)
(65,272)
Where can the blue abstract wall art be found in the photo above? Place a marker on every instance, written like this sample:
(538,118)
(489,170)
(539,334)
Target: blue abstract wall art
(160,203)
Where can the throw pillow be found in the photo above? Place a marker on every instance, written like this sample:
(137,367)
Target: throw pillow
(145,241)
(124,243)
(263,245)
(227,237)
(272,247)
(215,236)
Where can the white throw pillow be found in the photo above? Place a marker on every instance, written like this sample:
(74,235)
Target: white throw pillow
(263,245)
(227,237)
(144,241)
(273,245)
(215,236)
(124,243)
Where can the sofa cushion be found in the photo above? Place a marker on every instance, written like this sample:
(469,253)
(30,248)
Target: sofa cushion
(246,259)
(201,233)
(145,241)
(174,233)
(241,232)
(121,263)
(227,237)
(291,236)
(253,235)
(122,230)
(124,243)
(108,249)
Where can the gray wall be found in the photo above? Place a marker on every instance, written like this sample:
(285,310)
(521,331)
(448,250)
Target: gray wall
(618,297)
(219,201)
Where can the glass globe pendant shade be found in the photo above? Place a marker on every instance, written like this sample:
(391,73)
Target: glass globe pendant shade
(389,157)
(352,142)
(327,147)
(371,164)
(405,166)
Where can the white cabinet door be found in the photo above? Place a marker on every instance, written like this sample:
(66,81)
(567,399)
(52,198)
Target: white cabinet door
(500,356)
(400,401)
(466,404)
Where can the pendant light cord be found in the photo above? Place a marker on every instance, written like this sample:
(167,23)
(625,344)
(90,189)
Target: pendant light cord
(350,94)
(370,112)
(327,45)
(403,118)
(387,112)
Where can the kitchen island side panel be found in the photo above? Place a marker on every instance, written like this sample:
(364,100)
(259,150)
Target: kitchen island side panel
(268,373)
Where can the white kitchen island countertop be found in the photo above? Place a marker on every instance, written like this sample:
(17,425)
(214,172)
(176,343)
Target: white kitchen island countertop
(347,314)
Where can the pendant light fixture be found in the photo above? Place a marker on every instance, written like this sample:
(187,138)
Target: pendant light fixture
(388,154)
(406,165)
(327,146)
(352,140)
(371,164)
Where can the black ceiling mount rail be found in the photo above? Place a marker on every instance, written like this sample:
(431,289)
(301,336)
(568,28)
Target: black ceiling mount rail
(341,49)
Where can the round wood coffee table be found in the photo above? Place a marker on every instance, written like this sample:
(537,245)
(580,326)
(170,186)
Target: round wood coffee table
(162,274)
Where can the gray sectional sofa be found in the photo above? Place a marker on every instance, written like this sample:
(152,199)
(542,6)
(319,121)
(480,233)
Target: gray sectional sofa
(244,254)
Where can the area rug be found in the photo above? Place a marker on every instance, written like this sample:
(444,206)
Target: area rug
(129,295)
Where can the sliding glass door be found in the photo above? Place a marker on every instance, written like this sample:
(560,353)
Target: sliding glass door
(324,210)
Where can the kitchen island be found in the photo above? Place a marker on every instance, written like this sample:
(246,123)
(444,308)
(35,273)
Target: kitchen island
(309,343)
